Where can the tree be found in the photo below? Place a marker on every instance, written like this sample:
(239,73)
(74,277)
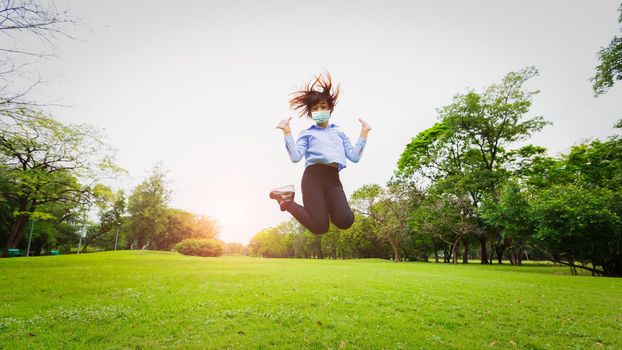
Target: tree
(389,210)
(577,207)
(578,224)
(147,207)
(568,209)
(402,197)
(447,219)
(609,69)
(111,210)
(365,202)
(47,162)
(301,239)
(465,153)
(28,31)
(269,243)
(180,225)
(362,241)
(511,213)
(235,249)
(205,227)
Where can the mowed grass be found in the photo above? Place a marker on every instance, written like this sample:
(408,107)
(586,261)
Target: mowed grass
(145,300)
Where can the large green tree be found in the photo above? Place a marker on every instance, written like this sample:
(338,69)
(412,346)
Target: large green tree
(467,152)
(44,162)
(568,209)
(577,208)
(580,224)
(147,208)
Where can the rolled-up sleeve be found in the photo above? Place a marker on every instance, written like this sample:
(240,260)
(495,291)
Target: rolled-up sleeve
(296,150)
(353,153)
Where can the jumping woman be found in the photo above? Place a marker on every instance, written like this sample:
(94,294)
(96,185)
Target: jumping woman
(325,149)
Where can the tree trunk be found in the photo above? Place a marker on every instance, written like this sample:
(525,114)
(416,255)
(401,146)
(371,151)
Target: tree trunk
(435,251)
(573,269)
(15,233)
(465,255)
(454,250)
(484,253)
(318,247)
(513,255)
(38,247)
(492,250)
(519,257)
(396,251)
(612,269)
(500,248)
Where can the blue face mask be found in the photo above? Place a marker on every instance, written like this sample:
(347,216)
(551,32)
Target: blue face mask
(320,116)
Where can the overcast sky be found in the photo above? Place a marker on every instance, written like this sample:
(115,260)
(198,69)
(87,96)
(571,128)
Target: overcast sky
(198,87)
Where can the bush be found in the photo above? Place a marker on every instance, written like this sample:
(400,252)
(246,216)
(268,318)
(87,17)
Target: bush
(200,247)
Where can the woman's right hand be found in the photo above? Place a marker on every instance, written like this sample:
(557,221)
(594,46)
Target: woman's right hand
(284,125)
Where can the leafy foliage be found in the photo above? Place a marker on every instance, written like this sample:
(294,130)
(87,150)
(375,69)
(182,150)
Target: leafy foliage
(609,69)
(147,206)
(466,157)
(200,247)
(270,243)
(46,165)
(578,224)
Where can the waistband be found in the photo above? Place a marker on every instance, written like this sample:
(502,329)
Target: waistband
(329,168)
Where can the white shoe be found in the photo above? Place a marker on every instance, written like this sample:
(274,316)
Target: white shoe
(283,194)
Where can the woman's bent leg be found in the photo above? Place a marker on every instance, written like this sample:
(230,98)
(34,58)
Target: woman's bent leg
(314,214)
(338,208)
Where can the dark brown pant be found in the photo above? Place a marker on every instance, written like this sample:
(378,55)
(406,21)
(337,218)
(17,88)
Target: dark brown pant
(323,198)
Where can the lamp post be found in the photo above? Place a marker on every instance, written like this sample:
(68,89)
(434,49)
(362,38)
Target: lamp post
(82,234)
(32,227)
(116,238)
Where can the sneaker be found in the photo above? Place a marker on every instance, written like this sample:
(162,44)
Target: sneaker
(283,195)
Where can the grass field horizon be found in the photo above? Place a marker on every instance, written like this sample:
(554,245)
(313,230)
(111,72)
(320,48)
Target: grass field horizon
(144,299)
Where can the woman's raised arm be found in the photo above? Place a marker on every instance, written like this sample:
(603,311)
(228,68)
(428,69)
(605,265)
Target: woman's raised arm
(295,150)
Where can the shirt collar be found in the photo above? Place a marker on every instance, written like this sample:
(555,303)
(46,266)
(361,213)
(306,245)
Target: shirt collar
(330,126)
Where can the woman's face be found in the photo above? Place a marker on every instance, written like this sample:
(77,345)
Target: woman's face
(322,106)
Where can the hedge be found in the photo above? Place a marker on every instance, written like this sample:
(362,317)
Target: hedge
(200,247)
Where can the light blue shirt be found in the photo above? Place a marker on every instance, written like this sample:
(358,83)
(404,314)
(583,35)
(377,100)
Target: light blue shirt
(324,146)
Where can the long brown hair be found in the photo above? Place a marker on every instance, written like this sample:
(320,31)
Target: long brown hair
(318,89)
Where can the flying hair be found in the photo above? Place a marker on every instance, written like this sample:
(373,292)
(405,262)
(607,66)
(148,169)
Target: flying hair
(319,89)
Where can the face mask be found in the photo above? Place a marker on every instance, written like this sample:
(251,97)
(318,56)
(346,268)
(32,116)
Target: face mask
(320,116)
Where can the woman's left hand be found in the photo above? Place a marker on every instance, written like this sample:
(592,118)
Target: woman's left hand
(364,125)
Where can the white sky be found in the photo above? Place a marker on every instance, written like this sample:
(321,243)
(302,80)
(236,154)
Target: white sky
(198,86)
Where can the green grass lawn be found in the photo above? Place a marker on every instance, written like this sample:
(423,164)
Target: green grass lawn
(145,300)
